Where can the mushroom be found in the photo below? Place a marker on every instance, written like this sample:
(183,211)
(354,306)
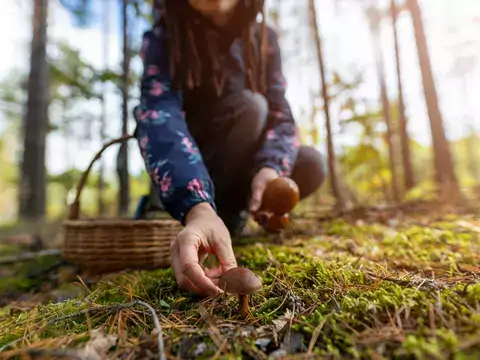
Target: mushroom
(280,196)
(243,282)
(277,223)
(279,199)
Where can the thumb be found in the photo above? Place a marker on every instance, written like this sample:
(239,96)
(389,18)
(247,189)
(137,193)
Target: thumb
(256,199)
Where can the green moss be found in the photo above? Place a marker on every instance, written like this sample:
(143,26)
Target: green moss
(6,250)
(25,276)
(427,307)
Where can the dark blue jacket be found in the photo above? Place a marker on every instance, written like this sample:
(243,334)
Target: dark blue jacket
(172,157)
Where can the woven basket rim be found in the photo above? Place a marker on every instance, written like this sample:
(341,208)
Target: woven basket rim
(120,222)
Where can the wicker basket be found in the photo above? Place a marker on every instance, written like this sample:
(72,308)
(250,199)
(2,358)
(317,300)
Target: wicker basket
(110,245)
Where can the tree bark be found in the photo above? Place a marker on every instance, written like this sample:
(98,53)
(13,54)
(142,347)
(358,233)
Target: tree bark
(444,169)
(408,174)
(334,183)
(122,160)
(103,118)
(32,192)
(314,128)
(374,19)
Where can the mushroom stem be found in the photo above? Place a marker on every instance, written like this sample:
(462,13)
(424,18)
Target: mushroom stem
(243,305)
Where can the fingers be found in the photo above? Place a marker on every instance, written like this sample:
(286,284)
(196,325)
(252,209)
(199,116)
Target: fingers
(196,275)
(182,280)
(187,262)
(190,249)
(224,251)
(258,187)
(214,273)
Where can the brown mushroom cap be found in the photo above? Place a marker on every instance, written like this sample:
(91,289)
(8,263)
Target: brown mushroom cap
(280,196)
(276,223)
(240,281)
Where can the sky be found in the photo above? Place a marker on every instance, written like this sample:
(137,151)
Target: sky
(453,33)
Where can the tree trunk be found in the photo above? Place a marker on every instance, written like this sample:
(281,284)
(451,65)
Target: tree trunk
(122,160)
(374,18)
(32,192)
(331,152)
(314,128)
(409,180)
(103,118)
(443,161)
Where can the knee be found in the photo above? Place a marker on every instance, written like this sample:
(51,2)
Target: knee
(310,170)
(253,111)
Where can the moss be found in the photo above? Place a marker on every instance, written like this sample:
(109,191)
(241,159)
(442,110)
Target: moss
(25,276)
(6,250)
(425,308)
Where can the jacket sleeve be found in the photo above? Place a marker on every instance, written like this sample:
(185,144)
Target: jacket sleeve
(281,141)
(171,155)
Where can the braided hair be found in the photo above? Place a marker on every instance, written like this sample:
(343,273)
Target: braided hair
(185,62)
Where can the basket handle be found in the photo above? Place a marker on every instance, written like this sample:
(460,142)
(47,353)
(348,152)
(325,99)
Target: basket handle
(74,208)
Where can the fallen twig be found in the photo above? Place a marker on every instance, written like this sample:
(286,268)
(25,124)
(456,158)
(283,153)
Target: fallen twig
(156,321)
(32,242)
(28,256)
(108,308)
(427,284)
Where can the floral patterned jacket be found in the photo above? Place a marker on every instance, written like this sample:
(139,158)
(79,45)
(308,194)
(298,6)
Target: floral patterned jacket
(171,155)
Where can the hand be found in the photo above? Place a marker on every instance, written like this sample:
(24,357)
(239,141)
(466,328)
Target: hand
(259,183)
(204,233)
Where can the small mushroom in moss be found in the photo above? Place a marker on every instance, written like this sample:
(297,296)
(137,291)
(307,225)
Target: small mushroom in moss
(243,282)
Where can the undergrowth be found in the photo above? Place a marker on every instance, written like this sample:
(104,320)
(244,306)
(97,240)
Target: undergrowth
(406,290)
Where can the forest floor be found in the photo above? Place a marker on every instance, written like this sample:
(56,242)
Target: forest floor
(375,284)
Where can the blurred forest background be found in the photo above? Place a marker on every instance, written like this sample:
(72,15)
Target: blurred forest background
(386,88)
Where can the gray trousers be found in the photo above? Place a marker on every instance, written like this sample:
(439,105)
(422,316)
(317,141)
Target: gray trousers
(228,140)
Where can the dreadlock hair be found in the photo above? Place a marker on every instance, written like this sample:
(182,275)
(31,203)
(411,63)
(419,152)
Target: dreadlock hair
(185,63)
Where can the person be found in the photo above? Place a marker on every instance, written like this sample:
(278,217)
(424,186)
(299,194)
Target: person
(214,127)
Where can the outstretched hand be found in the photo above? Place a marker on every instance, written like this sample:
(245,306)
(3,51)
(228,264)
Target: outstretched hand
(204,233)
